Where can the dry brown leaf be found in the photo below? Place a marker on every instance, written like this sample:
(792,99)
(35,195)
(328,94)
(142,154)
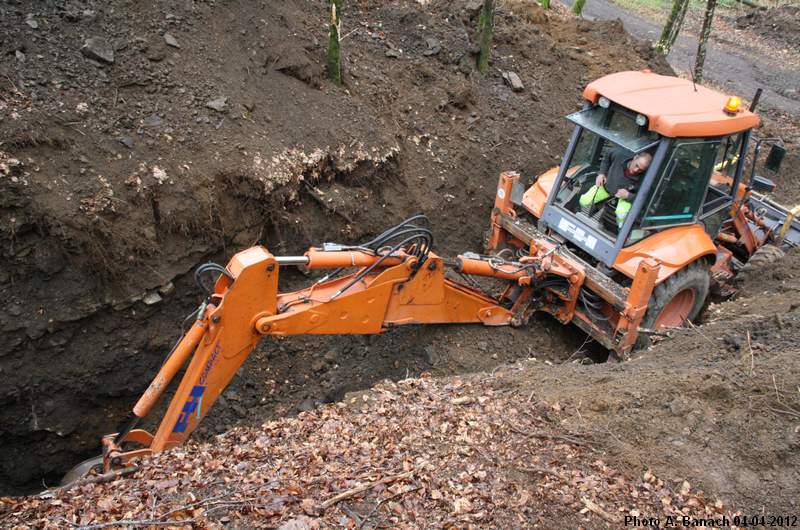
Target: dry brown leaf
(462,505)
(308,506)
(301,522)
(685,488)
(166,484)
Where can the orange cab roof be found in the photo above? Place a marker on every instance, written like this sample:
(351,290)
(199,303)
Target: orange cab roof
(672,105)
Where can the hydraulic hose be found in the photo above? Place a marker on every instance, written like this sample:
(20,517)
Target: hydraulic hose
(205,269)
(369,269)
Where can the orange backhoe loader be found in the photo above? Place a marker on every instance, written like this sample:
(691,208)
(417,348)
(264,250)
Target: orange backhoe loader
(692,225)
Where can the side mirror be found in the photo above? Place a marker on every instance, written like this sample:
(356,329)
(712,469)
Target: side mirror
(762,184)
(775,157)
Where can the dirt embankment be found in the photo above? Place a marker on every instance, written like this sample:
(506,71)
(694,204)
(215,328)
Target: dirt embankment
(140,139)
(719,403)
(780,25)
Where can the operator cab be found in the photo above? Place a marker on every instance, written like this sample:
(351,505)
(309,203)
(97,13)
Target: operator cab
(695,145)
(678,183)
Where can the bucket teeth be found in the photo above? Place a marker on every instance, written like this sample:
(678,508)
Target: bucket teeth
(82,470)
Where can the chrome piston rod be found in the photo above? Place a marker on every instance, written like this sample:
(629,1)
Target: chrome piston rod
(292,260)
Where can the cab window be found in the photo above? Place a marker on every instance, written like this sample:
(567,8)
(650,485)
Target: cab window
(683,185)
(728,154)
(602,129)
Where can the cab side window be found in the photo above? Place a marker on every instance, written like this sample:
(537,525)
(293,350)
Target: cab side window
(728,154)
(679,194)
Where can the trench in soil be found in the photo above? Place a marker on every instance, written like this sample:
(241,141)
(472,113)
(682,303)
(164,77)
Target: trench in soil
(98,239)
(99,363)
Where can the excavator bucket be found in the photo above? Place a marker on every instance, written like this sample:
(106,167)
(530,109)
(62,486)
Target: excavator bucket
(83,469)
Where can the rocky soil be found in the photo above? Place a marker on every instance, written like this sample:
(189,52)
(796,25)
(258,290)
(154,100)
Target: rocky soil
(139,139)
(780,25)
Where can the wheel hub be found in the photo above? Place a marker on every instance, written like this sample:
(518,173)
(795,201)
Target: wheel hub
(677,311)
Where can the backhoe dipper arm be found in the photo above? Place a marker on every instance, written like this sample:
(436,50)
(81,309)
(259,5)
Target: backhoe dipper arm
(392,287)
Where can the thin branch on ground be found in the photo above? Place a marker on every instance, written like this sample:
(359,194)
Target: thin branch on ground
(691,325)
(347,34)
(360,489)
(597,510)
(208,503)
(538,434)
(378,505)
(354,515)
(14,85)
(792,413)
(580,349)
(544,471)
(138,522)
(578,411)
(609,432)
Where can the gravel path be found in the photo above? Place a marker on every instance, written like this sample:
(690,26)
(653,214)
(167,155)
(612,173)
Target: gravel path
(741,70)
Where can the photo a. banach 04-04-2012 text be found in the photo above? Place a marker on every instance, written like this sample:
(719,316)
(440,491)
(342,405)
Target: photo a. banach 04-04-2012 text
(674,521)
(723,521)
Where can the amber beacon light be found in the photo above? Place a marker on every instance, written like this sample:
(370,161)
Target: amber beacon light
(732,105)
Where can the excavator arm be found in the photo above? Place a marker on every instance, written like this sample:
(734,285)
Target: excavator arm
(398,281)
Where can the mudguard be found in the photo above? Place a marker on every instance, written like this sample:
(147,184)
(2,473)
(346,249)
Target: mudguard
(673,248)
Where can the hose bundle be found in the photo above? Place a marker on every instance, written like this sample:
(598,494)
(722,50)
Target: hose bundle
(416,240)
(592,304)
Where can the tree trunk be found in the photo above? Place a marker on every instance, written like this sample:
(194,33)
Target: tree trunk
(334,52)
(672,26)
(701,44)
(577,7)
(486,27)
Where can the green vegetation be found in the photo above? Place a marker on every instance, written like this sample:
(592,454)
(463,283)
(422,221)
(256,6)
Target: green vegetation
(672,27)
(334,51)
(486,28)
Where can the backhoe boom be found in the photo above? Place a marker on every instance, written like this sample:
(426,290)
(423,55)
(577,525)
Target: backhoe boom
(391,287)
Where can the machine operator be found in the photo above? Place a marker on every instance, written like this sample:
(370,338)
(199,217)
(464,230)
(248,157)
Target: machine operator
(619,176)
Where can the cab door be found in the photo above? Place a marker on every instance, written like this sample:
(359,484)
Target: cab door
(679,193)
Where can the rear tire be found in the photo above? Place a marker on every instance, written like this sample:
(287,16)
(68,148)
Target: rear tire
(678,299)
(761,258)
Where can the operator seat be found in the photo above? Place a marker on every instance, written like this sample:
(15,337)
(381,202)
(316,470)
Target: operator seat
(608,216)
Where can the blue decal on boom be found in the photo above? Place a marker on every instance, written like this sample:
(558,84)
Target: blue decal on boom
(192,404)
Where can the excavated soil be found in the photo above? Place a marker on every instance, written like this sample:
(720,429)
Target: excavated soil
(128,160)
(719,403)
(118,178)
(780,24)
